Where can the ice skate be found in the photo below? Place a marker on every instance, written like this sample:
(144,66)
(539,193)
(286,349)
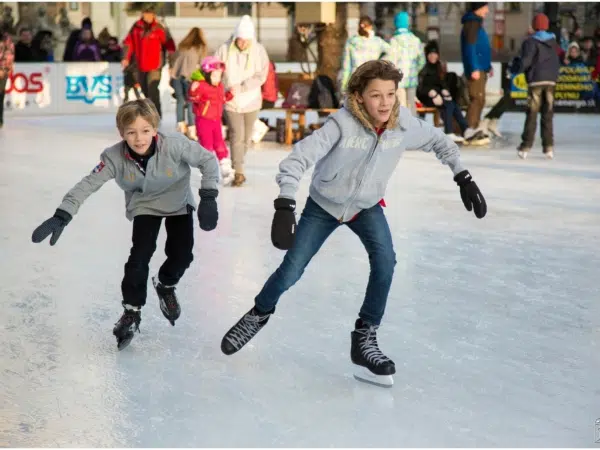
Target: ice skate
(522,152)
(127,325)
(549,152)
(455,138)
(227,173)
(168,300)
(241,333)
(191,133)
(491,126)
(182,127)
(475,137)
(370,364)
(238,180)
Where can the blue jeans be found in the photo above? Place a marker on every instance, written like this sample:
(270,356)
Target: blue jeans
(451,110)
(314,228)
(181,86)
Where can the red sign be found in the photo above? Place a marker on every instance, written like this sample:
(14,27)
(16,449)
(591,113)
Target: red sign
(25,83)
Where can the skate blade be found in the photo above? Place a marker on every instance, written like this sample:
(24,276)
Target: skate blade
(124,343)
(366,376)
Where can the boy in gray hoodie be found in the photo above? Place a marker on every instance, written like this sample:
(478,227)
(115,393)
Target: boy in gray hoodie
(153,169)
(355,153)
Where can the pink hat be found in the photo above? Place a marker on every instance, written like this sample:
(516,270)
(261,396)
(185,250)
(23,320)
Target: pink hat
(211,63)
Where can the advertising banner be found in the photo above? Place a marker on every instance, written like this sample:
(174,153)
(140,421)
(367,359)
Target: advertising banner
(31,89)
(576,90)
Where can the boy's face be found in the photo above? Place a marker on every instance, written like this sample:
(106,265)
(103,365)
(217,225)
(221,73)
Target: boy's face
(139,135)
(378,100)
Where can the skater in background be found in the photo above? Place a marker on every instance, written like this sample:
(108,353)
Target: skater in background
(363,141)
(247,69)
(145,42)
(433,91)
(541,64)
(187,59)
(477,62)
(207,95)
(154,171)
(7,61)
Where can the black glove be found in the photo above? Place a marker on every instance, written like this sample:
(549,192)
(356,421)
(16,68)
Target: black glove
(283,229)
(470,194)
(208,215)
(54,225)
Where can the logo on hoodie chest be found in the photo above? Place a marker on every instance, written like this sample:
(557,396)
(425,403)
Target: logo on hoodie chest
(365,143)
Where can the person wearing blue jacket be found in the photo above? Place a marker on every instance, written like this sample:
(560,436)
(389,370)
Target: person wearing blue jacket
(477,63)
(354,154)
(540,62)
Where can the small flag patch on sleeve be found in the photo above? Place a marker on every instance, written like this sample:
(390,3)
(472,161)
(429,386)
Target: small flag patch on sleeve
(99,167)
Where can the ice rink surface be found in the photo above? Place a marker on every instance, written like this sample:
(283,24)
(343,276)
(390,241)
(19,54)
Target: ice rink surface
(493,324)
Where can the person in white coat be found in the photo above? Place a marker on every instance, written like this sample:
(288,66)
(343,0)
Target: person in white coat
(246,70)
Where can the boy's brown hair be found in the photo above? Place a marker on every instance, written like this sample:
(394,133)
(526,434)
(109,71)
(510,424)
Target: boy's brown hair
(371,70)
(128,112)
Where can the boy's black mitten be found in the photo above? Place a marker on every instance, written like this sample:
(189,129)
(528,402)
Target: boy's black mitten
(470,194)
(283,228)
(208,215)
(53,226)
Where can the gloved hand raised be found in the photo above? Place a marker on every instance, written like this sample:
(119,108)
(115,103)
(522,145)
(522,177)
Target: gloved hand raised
(54,225)
(283,228)
(470,194)
(208,214)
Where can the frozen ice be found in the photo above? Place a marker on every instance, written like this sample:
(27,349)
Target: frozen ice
(493,324)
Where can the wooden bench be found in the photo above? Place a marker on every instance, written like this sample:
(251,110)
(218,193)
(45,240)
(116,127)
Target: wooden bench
(295,120)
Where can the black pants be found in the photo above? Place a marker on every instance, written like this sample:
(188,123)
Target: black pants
(540,99)
(178,248)
(149,82)
(498,109)
(2,91)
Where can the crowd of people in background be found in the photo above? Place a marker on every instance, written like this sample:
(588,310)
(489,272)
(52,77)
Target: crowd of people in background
(249,78)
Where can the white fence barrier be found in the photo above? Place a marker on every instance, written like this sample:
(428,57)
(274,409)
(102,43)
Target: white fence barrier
(39,89)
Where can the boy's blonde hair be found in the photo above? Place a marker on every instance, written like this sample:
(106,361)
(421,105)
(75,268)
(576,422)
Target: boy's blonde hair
(371,70)
(128,112)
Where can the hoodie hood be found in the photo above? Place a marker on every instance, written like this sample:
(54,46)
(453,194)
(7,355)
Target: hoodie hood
(402,20)
(359,112)
(469,16)
(543,36)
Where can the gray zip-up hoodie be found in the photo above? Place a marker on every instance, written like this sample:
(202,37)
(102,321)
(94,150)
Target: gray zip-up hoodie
(163,190)
(353,164)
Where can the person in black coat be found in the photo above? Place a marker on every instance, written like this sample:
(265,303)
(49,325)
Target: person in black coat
(434,92)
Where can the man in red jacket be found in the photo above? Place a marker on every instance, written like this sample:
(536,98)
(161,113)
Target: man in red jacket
(145,43)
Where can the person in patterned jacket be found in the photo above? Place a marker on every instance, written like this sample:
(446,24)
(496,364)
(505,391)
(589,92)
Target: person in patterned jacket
(407,54)
(7,58)
(361,48)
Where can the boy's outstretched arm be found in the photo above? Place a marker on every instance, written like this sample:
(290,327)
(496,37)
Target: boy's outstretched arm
(429,138)
(103,172)
(304,155)
(73,200)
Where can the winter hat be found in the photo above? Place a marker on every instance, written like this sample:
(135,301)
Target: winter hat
(432,47)
(211,63)
(540,22)
(476,5)
(245,28)
(402,20)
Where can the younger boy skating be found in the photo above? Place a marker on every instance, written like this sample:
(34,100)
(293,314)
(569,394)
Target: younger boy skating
(154,171)
(355,153)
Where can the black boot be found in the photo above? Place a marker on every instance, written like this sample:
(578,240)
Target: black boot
(127,325)
(244,330)
(373,366)
(168,300)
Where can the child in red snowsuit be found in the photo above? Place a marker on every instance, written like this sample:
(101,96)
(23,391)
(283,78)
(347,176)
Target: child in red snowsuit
(207,95)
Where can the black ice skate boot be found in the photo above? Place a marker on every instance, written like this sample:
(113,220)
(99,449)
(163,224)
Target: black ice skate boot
(127,325)
(168,300)
(246,328)
(372,366)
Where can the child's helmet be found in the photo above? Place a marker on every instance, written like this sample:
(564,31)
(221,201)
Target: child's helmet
(211,63)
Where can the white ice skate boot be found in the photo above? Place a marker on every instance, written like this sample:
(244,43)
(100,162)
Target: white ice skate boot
(455,138)
(191,133)
(370,364)
(227,173)
(522,152)
(491,126)
(181,127)
(549,152)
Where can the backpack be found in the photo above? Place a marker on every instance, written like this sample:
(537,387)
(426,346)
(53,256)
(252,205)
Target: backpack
(322,94)
(297,96)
